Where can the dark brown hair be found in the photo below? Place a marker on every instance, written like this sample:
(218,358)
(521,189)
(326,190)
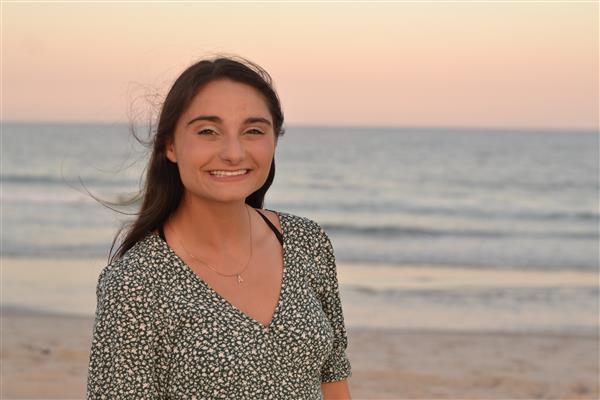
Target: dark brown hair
(162,188)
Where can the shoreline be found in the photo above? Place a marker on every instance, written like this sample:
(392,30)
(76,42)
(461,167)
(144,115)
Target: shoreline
(46,355)
(22,311)
(424,298)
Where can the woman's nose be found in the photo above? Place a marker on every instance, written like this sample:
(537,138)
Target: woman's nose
(233,150)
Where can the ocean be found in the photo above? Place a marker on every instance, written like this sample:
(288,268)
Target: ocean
(518,209)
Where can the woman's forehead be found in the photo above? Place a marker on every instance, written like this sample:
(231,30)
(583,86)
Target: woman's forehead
(226,101)
(228,96)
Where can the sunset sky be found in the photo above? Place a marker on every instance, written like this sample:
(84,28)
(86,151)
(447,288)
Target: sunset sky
(479,64)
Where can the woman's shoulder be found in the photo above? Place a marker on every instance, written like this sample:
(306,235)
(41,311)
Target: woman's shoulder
(302,230)
(298,222)
(135,269)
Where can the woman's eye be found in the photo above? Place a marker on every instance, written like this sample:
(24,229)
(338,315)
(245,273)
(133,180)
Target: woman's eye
(205,131)
(255,131)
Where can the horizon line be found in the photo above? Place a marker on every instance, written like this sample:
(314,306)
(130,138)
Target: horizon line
(344,126)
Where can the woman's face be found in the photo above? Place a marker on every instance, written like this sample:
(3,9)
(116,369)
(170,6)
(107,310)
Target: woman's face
(226,129)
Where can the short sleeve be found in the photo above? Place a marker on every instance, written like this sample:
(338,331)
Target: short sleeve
(128,358)
(337,366)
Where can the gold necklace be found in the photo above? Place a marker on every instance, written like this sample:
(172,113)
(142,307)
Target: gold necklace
(238,274)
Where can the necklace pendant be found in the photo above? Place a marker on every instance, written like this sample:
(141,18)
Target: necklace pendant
(239,279)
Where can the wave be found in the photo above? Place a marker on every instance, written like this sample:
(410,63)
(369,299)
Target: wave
(380,208)
(407,231)
(512,184)
(66,180)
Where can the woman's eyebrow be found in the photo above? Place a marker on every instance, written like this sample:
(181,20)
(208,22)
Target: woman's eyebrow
(214,118)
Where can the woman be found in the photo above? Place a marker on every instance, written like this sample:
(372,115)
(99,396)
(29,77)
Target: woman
(209,296)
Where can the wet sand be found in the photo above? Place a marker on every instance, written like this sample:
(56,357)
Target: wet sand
(46,356)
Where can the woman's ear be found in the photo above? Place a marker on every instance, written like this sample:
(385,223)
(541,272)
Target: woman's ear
(170,151)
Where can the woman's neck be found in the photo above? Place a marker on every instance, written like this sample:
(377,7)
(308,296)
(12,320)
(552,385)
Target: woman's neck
(215,227)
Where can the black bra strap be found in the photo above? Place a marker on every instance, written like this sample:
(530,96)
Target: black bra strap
(277,233)
(161,231)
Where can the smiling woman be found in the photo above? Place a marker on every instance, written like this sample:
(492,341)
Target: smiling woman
(224,143)
(209,295)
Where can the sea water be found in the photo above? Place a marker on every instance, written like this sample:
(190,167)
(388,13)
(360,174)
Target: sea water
(398,204)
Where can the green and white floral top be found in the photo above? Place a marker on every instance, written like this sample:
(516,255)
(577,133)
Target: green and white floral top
(161,332)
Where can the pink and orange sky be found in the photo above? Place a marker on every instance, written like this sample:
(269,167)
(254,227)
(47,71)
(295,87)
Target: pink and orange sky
(480,64)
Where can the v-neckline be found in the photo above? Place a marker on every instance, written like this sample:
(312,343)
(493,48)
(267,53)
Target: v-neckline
(197,278)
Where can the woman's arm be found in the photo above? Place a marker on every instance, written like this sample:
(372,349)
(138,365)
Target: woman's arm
(128,357)
(336,390)
(336,369)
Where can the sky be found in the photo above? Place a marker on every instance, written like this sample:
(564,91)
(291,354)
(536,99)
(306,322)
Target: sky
(510,64)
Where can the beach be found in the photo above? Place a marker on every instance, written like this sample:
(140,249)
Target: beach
(409,336)
(467,257)
(45,355)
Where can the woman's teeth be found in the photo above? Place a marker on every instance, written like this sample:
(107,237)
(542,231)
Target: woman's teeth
(229,173)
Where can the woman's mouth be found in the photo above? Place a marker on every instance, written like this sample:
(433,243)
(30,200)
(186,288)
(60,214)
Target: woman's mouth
(229,175)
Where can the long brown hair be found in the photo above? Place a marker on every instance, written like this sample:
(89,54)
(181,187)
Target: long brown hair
(162,188)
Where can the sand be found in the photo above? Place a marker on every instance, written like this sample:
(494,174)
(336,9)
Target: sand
(46,356)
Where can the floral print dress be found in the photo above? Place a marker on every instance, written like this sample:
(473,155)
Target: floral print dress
(161,332)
